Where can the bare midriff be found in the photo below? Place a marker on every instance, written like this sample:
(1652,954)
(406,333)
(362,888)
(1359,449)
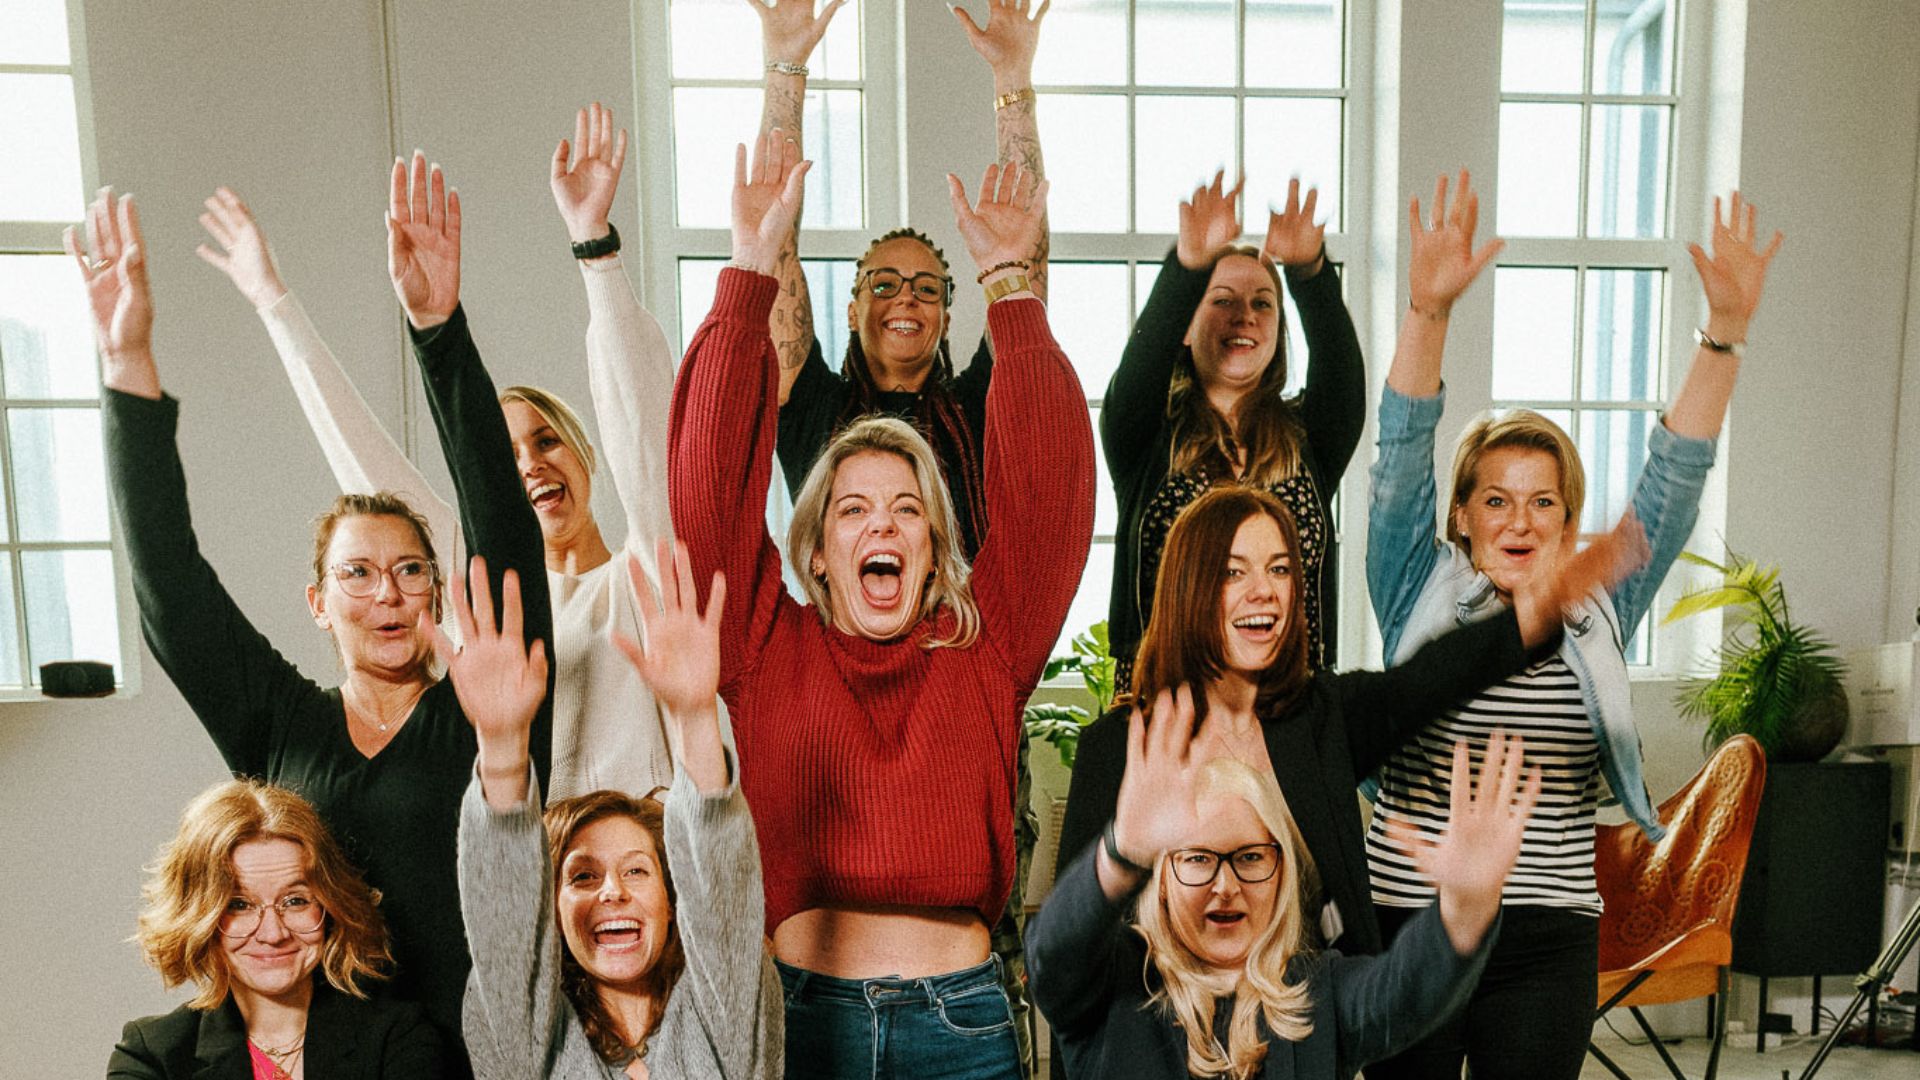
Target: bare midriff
(870,942)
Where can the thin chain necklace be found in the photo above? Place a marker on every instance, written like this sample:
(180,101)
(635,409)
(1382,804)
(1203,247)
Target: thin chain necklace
(283,1057)
(376,725)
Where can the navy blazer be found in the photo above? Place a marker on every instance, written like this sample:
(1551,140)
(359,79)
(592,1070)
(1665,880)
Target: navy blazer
(347,1039)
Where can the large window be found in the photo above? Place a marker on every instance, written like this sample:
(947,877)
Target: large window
(59,592)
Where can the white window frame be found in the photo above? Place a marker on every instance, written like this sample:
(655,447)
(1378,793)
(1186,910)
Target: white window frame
(42,238)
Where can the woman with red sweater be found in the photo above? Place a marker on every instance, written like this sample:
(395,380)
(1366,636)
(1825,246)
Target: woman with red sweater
(877,726)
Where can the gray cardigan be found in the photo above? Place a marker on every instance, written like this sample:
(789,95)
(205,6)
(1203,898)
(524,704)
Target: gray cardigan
(725,1018)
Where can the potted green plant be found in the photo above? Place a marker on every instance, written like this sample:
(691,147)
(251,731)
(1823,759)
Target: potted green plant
(1777,680)
(1059,725)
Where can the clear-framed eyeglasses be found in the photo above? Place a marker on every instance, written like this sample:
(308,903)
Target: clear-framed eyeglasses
(885,282)
(299,913)
(1251,864)
(411,576)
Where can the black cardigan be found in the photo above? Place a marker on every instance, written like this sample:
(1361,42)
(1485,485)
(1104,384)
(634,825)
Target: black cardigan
(347,1038)
(1337,733)
(1137,436)
(1088,977)
(395,813)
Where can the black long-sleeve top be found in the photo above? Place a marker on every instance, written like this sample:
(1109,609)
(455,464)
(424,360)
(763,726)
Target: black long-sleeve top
(1136,433)
(397,812)
(1337,733)
(1087,971)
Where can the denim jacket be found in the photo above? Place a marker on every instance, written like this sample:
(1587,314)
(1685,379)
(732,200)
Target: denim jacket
(1422,586)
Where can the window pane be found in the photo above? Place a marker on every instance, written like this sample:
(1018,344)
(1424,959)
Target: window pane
(1179,44)
(1627,171)
(9,630)
(1532,334)
(1543,46)
(1201,128)
(1087,304)
(1106,505)
(1294,43)
(1090,603)
(1613,446)
(1539,170)
(1620,354)
(709,123)
(1638,61)
(698,278)
(836,185)
(1086,140)
(59,474)
(72,613)
(1084,43)
(1288,137)
(46,341)
(41,132)
(36,33)
(720,39)
(829,286)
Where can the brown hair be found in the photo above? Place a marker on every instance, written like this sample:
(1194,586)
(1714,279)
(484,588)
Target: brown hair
(559,416)
(1184,641)
(564,821)
(377,504)
(1268,425)
(192,881)
(1523,429)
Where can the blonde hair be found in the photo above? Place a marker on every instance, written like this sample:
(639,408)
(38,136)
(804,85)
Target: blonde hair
(950,587)
(192,881)
(1262,988)
(1522,429)
(559,416)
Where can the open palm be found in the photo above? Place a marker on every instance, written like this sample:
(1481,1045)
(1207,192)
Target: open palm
(1443,261)
(1292,237)
(1006,224)
(423,242)
(680,659)
(499,680)
(1209,221)
(114,269)
(584,189)
(1734,275)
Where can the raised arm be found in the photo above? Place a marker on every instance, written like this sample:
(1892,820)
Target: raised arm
(725,411)
(1136,401)
(1007,44)
(232,678)
(629,363)
(423,254)
(1334,407)
(363,456)
(1038,445)
(789,31)
(1441,265)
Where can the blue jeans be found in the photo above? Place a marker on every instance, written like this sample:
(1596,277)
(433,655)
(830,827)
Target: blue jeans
(944,1027)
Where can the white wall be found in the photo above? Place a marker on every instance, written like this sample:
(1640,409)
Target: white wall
(289,104)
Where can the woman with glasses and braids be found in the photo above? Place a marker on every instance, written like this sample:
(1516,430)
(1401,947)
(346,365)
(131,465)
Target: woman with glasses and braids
(1198,401)
(254,904)
(898,359)
(385,756)
(607,732)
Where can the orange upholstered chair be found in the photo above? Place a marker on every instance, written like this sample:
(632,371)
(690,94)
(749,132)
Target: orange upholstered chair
(1667,934)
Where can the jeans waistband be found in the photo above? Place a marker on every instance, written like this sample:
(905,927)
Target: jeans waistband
(888,989)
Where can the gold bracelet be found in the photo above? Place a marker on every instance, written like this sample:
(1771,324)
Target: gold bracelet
(1006,287)
(1025,93)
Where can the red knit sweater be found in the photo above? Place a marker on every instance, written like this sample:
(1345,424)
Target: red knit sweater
(881,773)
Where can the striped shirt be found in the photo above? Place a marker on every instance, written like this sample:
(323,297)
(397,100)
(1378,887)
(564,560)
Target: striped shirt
(1555,869)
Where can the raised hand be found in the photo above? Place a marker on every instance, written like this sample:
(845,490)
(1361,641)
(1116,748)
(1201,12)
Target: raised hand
(766,199)
(1010,38)
(499,680)
(680,661)
(1007,223)
(1155,811)
(114,269)
(423,242)
(1209,221)
(244,255)
(789,30)
(1542,603)
(1292,237)
(1443,262)
(1736,271)
(1468,866)
(584,190)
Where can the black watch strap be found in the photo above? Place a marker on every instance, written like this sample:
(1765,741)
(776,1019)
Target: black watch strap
(593,249)
(1112,846)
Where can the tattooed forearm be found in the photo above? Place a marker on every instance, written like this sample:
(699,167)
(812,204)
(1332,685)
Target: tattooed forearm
(783,104)
(1017,138)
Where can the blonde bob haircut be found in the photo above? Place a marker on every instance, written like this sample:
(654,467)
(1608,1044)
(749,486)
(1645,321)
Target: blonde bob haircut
(559,416)
(1522,429)
(1262,988)
(192,882)
(951,586)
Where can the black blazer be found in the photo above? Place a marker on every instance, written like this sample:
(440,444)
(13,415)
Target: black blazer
(347,1039)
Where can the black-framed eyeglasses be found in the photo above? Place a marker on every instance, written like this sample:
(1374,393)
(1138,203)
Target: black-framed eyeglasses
(884,282)
(411,576)
(299,913)
(1199,866)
